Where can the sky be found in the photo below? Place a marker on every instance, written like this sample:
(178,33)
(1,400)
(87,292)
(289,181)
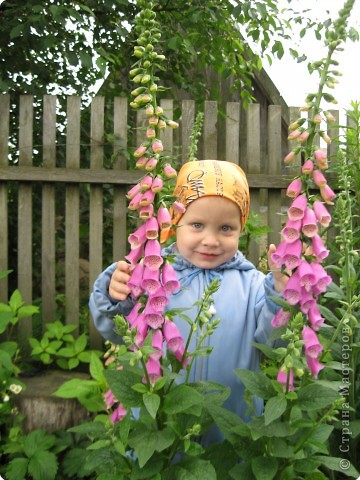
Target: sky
(293,79)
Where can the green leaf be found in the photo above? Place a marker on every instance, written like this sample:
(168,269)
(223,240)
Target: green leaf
(16,300)
(76,388)
(38,440)
(96,368)
(264,468)
(120,383)
(152,403)
(99,444)
(27,311)
(6,361)
(73,363)
(43,466)
(95,429)
(274,408)
(181,398)
(17,469)
(5,319)
(81,343)
(256,383)
(316,397)
(338,465)
(190,468)
(146,442)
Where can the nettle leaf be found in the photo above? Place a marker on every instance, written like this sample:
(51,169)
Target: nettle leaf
(120,383)
(274,408)
(96,368)
(152,403)
(337,464)
(316,397)
(16,300)
(95,429)
(256,383)
(264,468)
(43,466)
(146,442)
(181,398)
(27,311)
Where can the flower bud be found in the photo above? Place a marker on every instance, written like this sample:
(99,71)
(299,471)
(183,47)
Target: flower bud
(157,146)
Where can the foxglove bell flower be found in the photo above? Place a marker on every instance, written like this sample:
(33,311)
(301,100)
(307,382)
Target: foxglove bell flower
(109,398)
(169,171)
(164,218)
(157,185)
(152,228)
(135,254)
(315,318)
(291,231)
(153,368)
(306,274)
(157,343)
(306,301)
(322,214)
(151,281)
(292,291)
(308,167)
(309,223)
(157,146)
(292,254)
(312,346)
(146,183)
(319,249)
(147,198)
(286,379)
(147,211)
(151,164)
(322,279)
(314,366)
(138,237)
(319,178)
(294,188)
(134,282)
(118,414)
(297,209)
(172,335)
(153,318)
(169,279)
(153,258)
(159,300)
(133,191)
(327,194)
(281,318)
(321,159)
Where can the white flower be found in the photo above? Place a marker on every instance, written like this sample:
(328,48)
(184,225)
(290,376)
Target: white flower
(6,398)
(212,310)
(15,388)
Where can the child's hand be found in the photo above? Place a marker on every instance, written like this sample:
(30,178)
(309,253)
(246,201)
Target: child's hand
(118,288)
(280,279)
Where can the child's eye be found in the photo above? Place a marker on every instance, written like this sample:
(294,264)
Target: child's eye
(226,228)
(197,226)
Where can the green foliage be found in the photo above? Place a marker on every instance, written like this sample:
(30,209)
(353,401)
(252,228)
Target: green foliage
(59,346)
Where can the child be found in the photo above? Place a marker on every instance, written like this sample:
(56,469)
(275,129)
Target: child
(215,195)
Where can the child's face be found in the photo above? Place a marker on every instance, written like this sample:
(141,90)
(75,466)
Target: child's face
(208,233)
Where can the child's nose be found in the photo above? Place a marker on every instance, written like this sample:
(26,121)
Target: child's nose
(210,239)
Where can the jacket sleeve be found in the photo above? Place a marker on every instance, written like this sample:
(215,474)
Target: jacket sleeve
(103,308)
(268,310)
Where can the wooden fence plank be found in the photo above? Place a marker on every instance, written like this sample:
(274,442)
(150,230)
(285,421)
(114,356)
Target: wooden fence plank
(232,145)
(120,202)
(96,204)
(25,256)
(4,230)
(72,213)
(210,131)
(167,135)
(253,166)
(48,262)
(187,124)
(274,166)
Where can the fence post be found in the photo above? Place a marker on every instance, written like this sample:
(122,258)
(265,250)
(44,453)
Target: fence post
(25,256)
(72,213)
(48,289)
(96,204)
(4,151)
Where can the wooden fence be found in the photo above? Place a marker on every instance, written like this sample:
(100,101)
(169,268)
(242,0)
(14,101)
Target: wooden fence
(35,181)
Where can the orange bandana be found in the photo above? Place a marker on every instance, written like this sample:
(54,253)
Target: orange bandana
(205,178)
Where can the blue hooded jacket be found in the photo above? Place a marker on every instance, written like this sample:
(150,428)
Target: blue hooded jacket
(242,304)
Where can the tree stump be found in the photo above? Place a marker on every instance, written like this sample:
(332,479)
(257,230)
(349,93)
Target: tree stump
(42,409)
